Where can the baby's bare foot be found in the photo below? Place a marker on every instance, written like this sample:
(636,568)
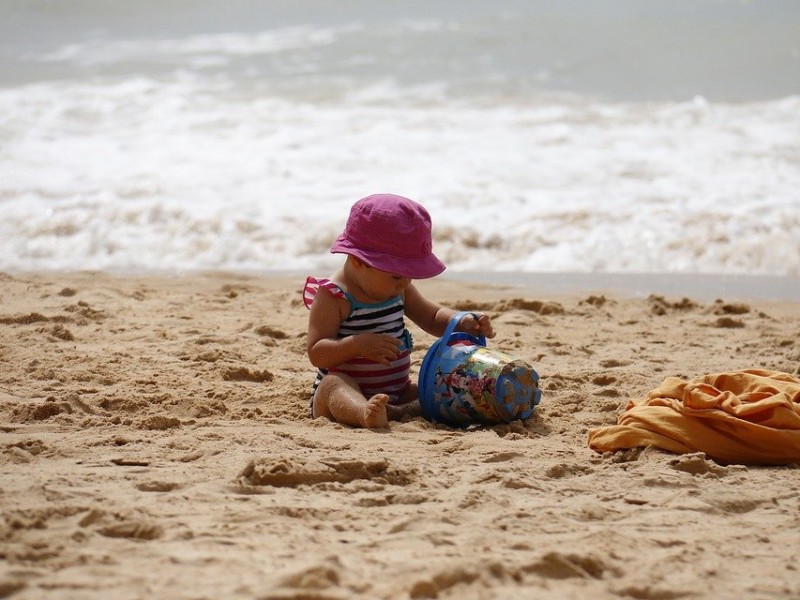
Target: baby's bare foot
(375,412)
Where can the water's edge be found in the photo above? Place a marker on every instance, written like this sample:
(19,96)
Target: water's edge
(698,286)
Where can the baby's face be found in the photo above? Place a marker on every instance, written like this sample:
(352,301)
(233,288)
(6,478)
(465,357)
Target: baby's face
(382,285)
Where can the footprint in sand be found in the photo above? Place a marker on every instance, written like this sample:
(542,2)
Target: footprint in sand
(604,381)
(267,331)
(291,473)
(537,306)
(83,309)
(40,411)
(728,323)
(725,308)
(245,374)
(321,576)
(660,306)
(596,301)
(562,470)
(557,565)
(134,530)
(441,582)
(613,362)
(697,464)
(158,486)
(57,333)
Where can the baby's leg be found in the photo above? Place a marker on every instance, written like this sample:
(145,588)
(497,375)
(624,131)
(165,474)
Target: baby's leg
(339,398)
(408,406)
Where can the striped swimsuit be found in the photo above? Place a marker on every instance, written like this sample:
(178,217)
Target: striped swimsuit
(382,317)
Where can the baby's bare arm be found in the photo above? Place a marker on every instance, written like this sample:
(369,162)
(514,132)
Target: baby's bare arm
(433,318)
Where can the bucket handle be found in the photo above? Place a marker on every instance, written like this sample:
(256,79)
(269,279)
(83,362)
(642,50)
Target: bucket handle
(451,326)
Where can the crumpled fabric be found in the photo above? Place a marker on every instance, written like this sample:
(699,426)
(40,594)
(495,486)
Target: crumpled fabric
(742,417)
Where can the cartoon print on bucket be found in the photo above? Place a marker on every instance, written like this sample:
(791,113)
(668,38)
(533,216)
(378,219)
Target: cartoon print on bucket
(461,382)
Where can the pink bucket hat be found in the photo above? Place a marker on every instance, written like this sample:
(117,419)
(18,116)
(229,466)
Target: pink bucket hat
(390,233)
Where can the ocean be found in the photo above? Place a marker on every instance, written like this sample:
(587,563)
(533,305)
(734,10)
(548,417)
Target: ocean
(588,136)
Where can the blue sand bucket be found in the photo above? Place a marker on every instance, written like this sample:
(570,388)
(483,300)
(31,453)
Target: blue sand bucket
(461,382)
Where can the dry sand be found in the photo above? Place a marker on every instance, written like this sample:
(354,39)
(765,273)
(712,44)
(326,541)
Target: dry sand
(156,443)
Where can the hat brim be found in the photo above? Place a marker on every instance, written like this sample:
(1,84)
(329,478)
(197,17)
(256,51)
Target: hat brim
(413,267)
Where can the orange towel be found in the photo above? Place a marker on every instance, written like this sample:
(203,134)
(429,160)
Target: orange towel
(747,417)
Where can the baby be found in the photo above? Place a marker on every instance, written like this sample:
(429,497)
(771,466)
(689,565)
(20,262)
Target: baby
(357,337)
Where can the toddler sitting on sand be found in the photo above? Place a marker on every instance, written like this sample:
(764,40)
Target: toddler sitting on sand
(356,332)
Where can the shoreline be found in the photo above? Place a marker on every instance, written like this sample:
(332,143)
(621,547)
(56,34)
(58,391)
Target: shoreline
(701,286)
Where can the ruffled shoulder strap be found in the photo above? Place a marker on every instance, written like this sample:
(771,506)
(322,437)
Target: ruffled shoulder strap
(313,286)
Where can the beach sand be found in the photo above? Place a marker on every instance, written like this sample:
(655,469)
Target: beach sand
(157,443)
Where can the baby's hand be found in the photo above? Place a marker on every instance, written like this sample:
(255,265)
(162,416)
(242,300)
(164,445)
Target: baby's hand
(379,347)
(477,324)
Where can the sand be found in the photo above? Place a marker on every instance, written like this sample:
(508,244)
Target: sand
(155,442)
